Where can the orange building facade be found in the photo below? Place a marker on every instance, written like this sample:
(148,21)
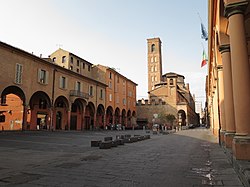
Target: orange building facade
(228,78)
(62,92)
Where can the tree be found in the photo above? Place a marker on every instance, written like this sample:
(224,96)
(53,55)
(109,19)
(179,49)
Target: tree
(166,119)
(170,118)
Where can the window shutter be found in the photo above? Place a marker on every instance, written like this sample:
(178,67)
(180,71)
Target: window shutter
(46,77)
(18,75)
(66,82)
(76,85)
(60,82)
(39,75)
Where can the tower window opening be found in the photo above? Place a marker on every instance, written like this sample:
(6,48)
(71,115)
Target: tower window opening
(153,48)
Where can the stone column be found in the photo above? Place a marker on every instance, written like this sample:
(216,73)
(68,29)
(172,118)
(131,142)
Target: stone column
(221,103)
(228,97)
(25,111)
(69,116)
(241,77)
(216,121)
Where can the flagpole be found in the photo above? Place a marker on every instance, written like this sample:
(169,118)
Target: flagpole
(199,17)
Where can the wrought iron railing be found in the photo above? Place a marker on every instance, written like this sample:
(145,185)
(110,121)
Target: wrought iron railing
(78,93)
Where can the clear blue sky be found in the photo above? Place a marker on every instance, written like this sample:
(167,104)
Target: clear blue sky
(113,33)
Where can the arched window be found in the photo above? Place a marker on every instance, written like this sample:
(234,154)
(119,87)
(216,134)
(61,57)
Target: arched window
(152,47)
(171,82)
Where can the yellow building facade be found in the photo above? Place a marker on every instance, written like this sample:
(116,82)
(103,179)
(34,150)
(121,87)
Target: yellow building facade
(62,92)
(228,88)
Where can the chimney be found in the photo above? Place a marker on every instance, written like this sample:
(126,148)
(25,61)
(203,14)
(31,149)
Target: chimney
(40,55)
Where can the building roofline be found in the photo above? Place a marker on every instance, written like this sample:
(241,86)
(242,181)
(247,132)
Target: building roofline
(40,59)
(113,69)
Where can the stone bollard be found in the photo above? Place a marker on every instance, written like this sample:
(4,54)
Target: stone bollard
(95,143)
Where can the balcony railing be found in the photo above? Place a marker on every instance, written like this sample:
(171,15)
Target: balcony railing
(77,93)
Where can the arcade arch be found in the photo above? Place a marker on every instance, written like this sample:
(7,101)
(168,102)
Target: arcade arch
(89,116)
(40,106)
(13,110)
(182,117)
(100,116)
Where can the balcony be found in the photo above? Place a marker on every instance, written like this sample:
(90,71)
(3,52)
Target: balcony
(76,93)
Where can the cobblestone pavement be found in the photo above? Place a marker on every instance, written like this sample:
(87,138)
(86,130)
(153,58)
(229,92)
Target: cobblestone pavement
(185,158)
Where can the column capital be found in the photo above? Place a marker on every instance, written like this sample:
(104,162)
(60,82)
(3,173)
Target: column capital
(224,48)
(235,8)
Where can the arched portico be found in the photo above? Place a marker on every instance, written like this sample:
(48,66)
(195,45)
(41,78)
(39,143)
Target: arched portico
(182,117)
(77,109)
(124,117)
(117,116)
(90,116)
(13,110)
(129,119)
(40,107)
(61,107)
(100,116)
(109,116)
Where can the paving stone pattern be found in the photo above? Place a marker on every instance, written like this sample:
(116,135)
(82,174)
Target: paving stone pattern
(185,158)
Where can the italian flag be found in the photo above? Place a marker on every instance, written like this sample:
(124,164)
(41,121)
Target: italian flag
(204,59)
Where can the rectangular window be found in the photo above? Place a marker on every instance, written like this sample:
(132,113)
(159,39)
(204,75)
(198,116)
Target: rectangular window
(63,82)
(78,86)
(71,60)
(110,84)
(43,76)
(91,90)
(124,101)
(63,59)
(83,65)
(77,70)
(101,94)
(78,63)
(110,75)
(110,97)
(19,73)
(71,68)
(2,118)
(88,67)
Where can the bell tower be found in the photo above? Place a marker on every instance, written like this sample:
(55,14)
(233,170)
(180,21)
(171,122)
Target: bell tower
(154,62)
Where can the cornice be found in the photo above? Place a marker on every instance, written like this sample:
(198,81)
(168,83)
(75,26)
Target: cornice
(235,8)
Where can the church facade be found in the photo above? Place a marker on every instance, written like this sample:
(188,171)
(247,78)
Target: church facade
(167,93)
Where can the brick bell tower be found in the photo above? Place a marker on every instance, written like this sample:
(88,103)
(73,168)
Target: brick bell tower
(154,62)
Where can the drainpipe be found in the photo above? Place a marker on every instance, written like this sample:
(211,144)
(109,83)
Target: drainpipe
(52,99)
